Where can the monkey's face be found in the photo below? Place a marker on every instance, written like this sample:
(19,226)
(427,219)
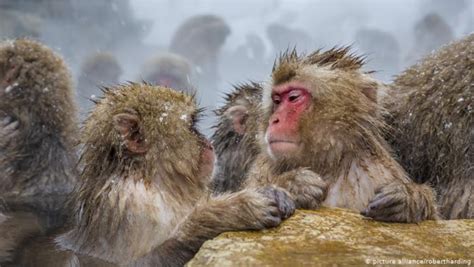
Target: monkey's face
(317,114)
(151,127)
(289,102)
(318,108)
(171,80)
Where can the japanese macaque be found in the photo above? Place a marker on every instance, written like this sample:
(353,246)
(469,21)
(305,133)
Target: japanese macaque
(169,70)
(99,69)
(142,198)
(37,137)
(430,33)
(430,107)
(200,39)
(234,139)
(322,139)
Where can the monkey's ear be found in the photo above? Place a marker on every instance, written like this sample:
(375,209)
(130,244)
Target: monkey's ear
(237,115)
(128,126)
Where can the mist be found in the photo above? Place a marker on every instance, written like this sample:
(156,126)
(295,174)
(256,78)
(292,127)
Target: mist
(392,34)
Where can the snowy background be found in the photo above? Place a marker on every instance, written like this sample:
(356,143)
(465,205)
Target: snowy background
(136,30)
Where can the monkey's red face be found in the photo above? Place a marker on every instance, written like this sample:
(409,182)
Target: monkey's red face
(167,80)
(290,101)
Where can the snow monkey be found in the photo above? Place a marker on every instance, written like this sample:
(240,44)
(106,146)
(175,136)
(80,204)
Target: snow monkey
(322,139)
(430,107)
(170,70)
(38,129)
(142,197)
(234,137)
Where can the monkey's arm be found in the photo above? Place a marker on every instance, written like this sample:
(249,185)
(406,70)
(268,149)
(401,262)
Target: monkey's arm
(307,189)
(250,209)
(403,202)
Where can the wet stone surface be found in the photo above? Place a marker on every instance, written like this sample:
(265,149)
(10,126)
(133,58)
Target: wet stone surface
(336,236)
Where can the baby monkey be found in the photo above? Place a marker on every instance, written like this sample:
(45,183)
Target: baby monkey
(142,198)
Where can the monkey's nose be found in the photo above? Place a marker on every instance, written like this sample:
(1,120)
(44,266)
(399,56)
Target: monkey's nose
(275,120)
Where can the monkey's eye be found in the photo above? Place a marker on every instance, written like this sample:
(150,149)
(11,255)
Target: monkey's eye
(294,95)
(276,99)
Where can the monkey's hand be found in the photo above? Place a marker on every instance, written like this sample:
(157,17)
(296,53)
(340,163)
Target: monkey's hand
(8,129)
(307,188)
(277,206)
(249,209)
(402,202)
(258,208)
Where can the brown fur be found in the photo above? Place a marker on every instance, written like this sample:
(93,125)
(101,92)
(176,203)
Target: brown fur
(14,229)
(142,198)
(38,132)
(235,136)
(431,107)
(38,115)
(344,159)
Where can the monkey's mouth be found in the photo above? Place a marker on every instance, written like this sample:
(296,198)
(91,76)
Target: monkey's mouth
(283,146)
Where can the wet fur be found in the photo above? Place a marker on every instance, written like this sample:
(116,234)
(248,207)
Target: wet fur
(342,133)
(431,109)
(235,151)
(38,133)
(152,207)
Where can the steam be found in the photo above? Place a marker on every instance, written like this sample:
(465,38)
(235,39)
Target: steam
(136,30)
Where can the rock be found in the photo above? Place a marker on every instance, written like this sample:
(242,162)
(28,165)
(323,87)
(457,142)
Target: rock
(340,237)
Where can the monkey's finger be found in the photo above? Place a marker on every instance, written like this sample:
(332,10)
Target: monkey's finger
(383,194)
(390,215)
(385,202)
(286,205)
(274,211)
(384,189)
(271,221)
(380,210)
(389,211)
(318,193)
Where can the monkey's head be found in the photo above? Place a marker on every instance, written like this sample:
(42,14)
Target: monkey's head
(169,70)
(233,116)
(143,131)
(101,68)
(200,37)
(35,86)
(318,108)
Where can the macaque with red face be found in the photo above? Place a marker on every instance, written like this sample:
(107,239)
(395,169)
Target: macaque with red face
(321,139)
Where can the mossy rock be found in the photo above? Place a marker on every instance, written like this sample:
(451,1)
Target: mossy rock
(340,237)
